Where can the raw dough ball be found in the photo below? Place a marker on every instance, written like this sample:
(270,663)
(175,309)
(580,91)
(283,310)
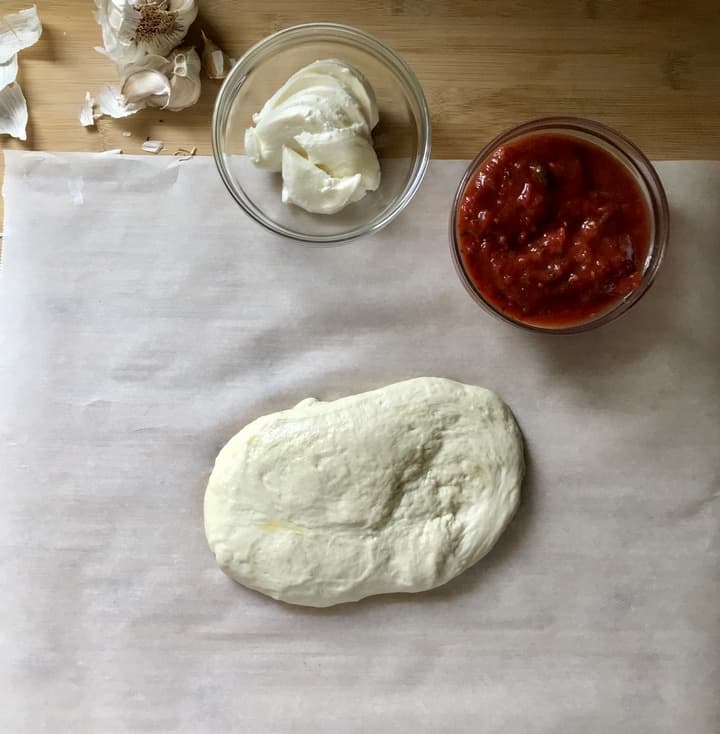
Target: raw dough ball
(397,489)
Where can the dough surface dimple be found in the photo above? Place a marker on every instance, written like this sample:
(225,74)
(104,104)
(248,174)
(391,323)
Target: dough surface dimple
(396,489)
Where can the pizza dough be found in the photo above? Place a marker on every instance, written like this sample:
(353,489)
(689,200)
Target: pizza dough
(395,490)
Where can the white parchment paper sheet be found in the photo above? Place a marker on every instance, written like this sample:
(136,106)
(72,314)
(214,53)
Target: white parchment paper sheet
(144,319)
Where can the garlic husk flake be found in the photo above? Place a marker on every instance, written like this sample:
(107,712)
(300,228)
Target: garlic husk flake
(18,31)
(87,118)
(133,29)
(13,112)
(152,146)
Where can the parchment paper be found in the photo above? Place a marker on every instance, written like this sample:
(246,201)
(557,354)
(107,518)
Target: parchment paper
(144,319)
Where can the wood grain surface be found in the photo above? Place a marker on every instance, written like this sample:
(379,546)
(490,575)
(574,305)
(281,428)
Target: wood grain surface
(650,68)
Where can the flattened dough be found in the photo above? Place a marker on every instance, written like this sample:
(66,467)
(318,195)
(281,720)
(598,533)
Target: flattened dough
(395,490)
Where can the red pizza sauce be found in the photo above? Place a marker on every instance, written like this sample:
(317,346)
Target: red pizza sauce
(552,230)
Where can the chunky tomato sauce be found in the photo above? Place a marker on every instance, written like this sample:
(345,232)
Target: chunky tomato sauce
(553,230)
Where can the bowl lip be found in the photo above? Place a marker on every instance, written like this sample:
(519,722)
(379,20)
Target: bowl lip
(335,31)
(643,172)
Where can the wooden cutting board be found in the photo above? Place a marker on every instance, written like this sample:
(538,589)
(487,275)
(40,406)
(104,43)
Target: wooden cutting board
(650,68)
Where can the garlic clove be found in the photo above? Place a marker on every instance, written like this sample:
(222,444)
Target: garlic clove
(146,82)
(215,61)
(154,81)
(18,31)
(184,92)
(185,84)
(87,119)
(8,71)
(185,62)
(149,88)
(154,62)
(110,101)
(13,111)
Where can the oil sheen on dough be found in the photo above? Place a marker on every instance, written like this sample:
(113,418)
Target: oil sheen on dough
(395,490)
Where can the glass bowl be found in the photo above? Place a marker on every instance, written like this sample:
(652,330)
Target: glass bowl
(642,172)
(401,138)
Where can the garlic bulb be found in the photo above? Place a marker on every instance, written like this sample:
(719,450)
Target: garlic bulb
(133,29)
(139,36)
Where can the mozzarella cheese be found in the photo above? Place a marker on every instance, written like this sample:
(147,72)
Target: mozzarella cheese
(315,130)
(395,490)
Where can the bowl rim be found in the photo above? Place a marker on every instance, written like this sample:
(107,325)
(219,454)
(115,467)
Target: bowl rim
(329,31)
(628,154)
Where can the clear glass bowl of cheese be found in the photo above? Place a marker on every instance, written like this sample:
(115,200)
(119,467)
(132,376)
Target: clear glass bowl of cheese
(401,137)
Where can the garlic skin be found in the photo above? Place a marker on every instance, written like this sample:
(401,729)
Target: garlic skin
(18,31)
(133,29)
(8,71)
(13,112)
(152,146)
(87,118)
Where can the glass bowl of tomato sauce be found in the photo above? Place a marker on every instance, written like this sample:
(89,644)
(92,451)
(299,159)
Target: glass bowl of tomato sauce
(559,225)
